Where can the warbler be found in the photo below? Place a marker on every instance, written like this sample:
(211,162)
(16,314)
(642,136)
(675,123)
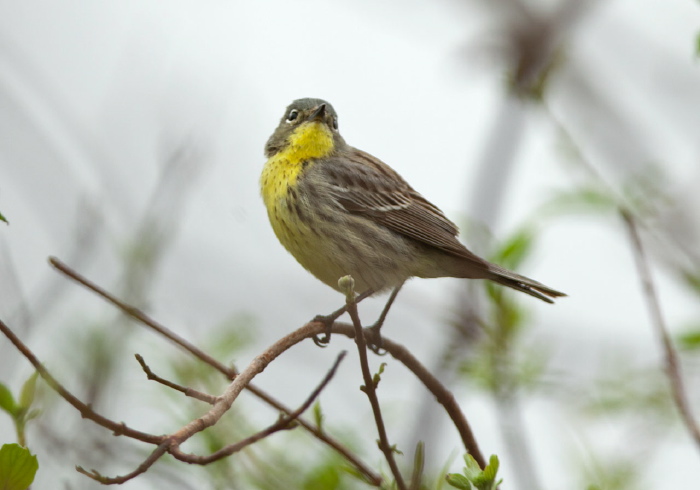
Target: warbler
(340,211)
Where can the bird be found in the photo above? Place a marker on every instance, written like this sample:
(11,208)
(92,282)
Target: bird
(341,211)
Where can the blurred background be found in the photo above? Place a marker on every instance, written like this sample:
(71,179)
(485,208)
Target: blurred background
(131,138)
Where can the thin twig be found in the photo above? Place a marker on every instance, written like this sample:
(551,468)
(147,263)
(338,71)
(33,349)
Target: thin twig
(283,423)
(230,394)
(142,468)
(371,476)
(205,397)
(370,387)
(672,368)
(442,395)
(118,428)
(172,442)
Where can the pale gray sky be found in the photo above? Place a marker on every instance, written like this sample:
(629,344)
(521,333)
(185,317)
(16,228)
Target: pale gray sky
(96,96)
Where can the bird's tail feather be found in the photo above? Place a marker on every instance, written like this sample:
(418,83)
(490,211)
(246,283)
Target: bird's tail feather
(522,283)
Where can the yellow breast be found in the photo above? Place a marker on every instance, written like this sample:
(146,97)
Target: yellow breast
(309,141)
(281,172)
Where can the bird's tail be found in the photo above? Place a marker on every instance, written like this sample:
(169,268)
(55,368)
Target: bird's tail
(522,283)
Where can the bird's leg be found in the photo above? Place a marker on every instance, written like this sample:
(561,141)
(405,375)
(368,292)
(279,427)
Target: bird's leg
(376,344)
(328,320)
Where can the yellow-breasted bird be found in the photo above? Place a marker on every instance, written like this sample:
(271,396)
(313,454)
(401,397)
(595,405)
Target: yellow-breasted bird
(340,211)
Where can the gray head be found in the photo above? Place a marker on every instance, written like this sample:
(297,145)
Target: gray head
(297,113)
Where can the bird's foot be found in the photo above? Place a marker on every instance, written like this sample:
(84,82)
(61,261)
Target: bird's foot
(327,321)
(374,339)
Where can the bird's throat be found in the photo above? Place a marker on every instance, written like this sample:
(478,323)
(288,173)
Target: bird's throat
(308,142)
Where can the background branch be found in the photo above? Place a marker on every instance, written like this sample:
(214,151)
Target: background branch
(230,372)
(283,423)
(204,397)
(673,368)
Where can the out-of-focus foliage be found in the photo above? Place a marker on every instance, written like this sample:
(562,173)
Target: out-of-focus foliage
(21,410)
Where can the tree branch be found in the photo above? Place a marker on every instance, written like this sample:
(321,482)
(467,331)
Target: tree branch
(400,353)
(191,392)
(442,395)
(283,423)
(118,480)
(370,387)
(673,368)
(118,428)
(371,476)
(221,405)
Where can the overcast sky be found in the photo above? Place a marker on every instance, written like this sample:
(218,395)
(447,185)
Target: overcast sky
(97,97)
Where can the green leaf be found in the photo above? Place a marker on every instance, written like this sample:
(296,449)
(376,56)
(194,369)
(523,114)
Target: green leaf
(458,481)
(690,340)
(515,249)
(2,218)
(318,416)
(7,401)
(473,475)
(26,396)
(583,199)
(378,375)
(471,467)
(491,468)
(17,467)
(692,279)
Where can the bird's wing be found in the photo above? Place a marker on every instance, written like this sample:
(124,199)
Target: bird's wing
(366,186)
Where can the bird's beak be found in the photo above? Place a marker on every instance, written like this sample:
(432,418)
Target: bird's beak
(318,114)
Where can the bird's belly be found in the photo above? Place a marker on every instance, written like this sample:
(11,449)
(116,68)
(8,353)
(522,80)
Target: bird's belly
(330,249)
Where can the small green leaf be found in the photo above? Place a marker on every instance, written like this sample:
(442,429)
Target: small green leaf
(471,467)
(690,340)
(418,465)
(692,279)
(2,218)
(7,401)
(458,481)
(26,396)
(473,475)
(378,375)
(515,249)
(583,199)
(33,413)
(491,468)
(318,416)
(17,467)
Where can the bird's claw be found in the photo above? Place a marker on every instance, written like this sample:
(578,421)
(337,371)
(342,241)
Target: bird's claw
(323,340)
(374,340)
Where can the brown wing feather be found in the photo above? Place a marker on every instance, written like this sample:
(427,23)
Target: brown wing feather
(369,187)
(366,186)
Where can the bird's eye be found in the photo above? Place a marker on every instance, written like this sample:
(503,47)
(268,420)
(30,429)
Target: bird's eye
(335,123)
(292,115)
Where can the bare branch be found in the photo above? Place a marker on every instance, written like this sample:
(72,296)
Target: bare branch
(118,428)
(142,468)
(673,368)
(283,423)
(370,387)
(191,392)
(439,391)
(372,477)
